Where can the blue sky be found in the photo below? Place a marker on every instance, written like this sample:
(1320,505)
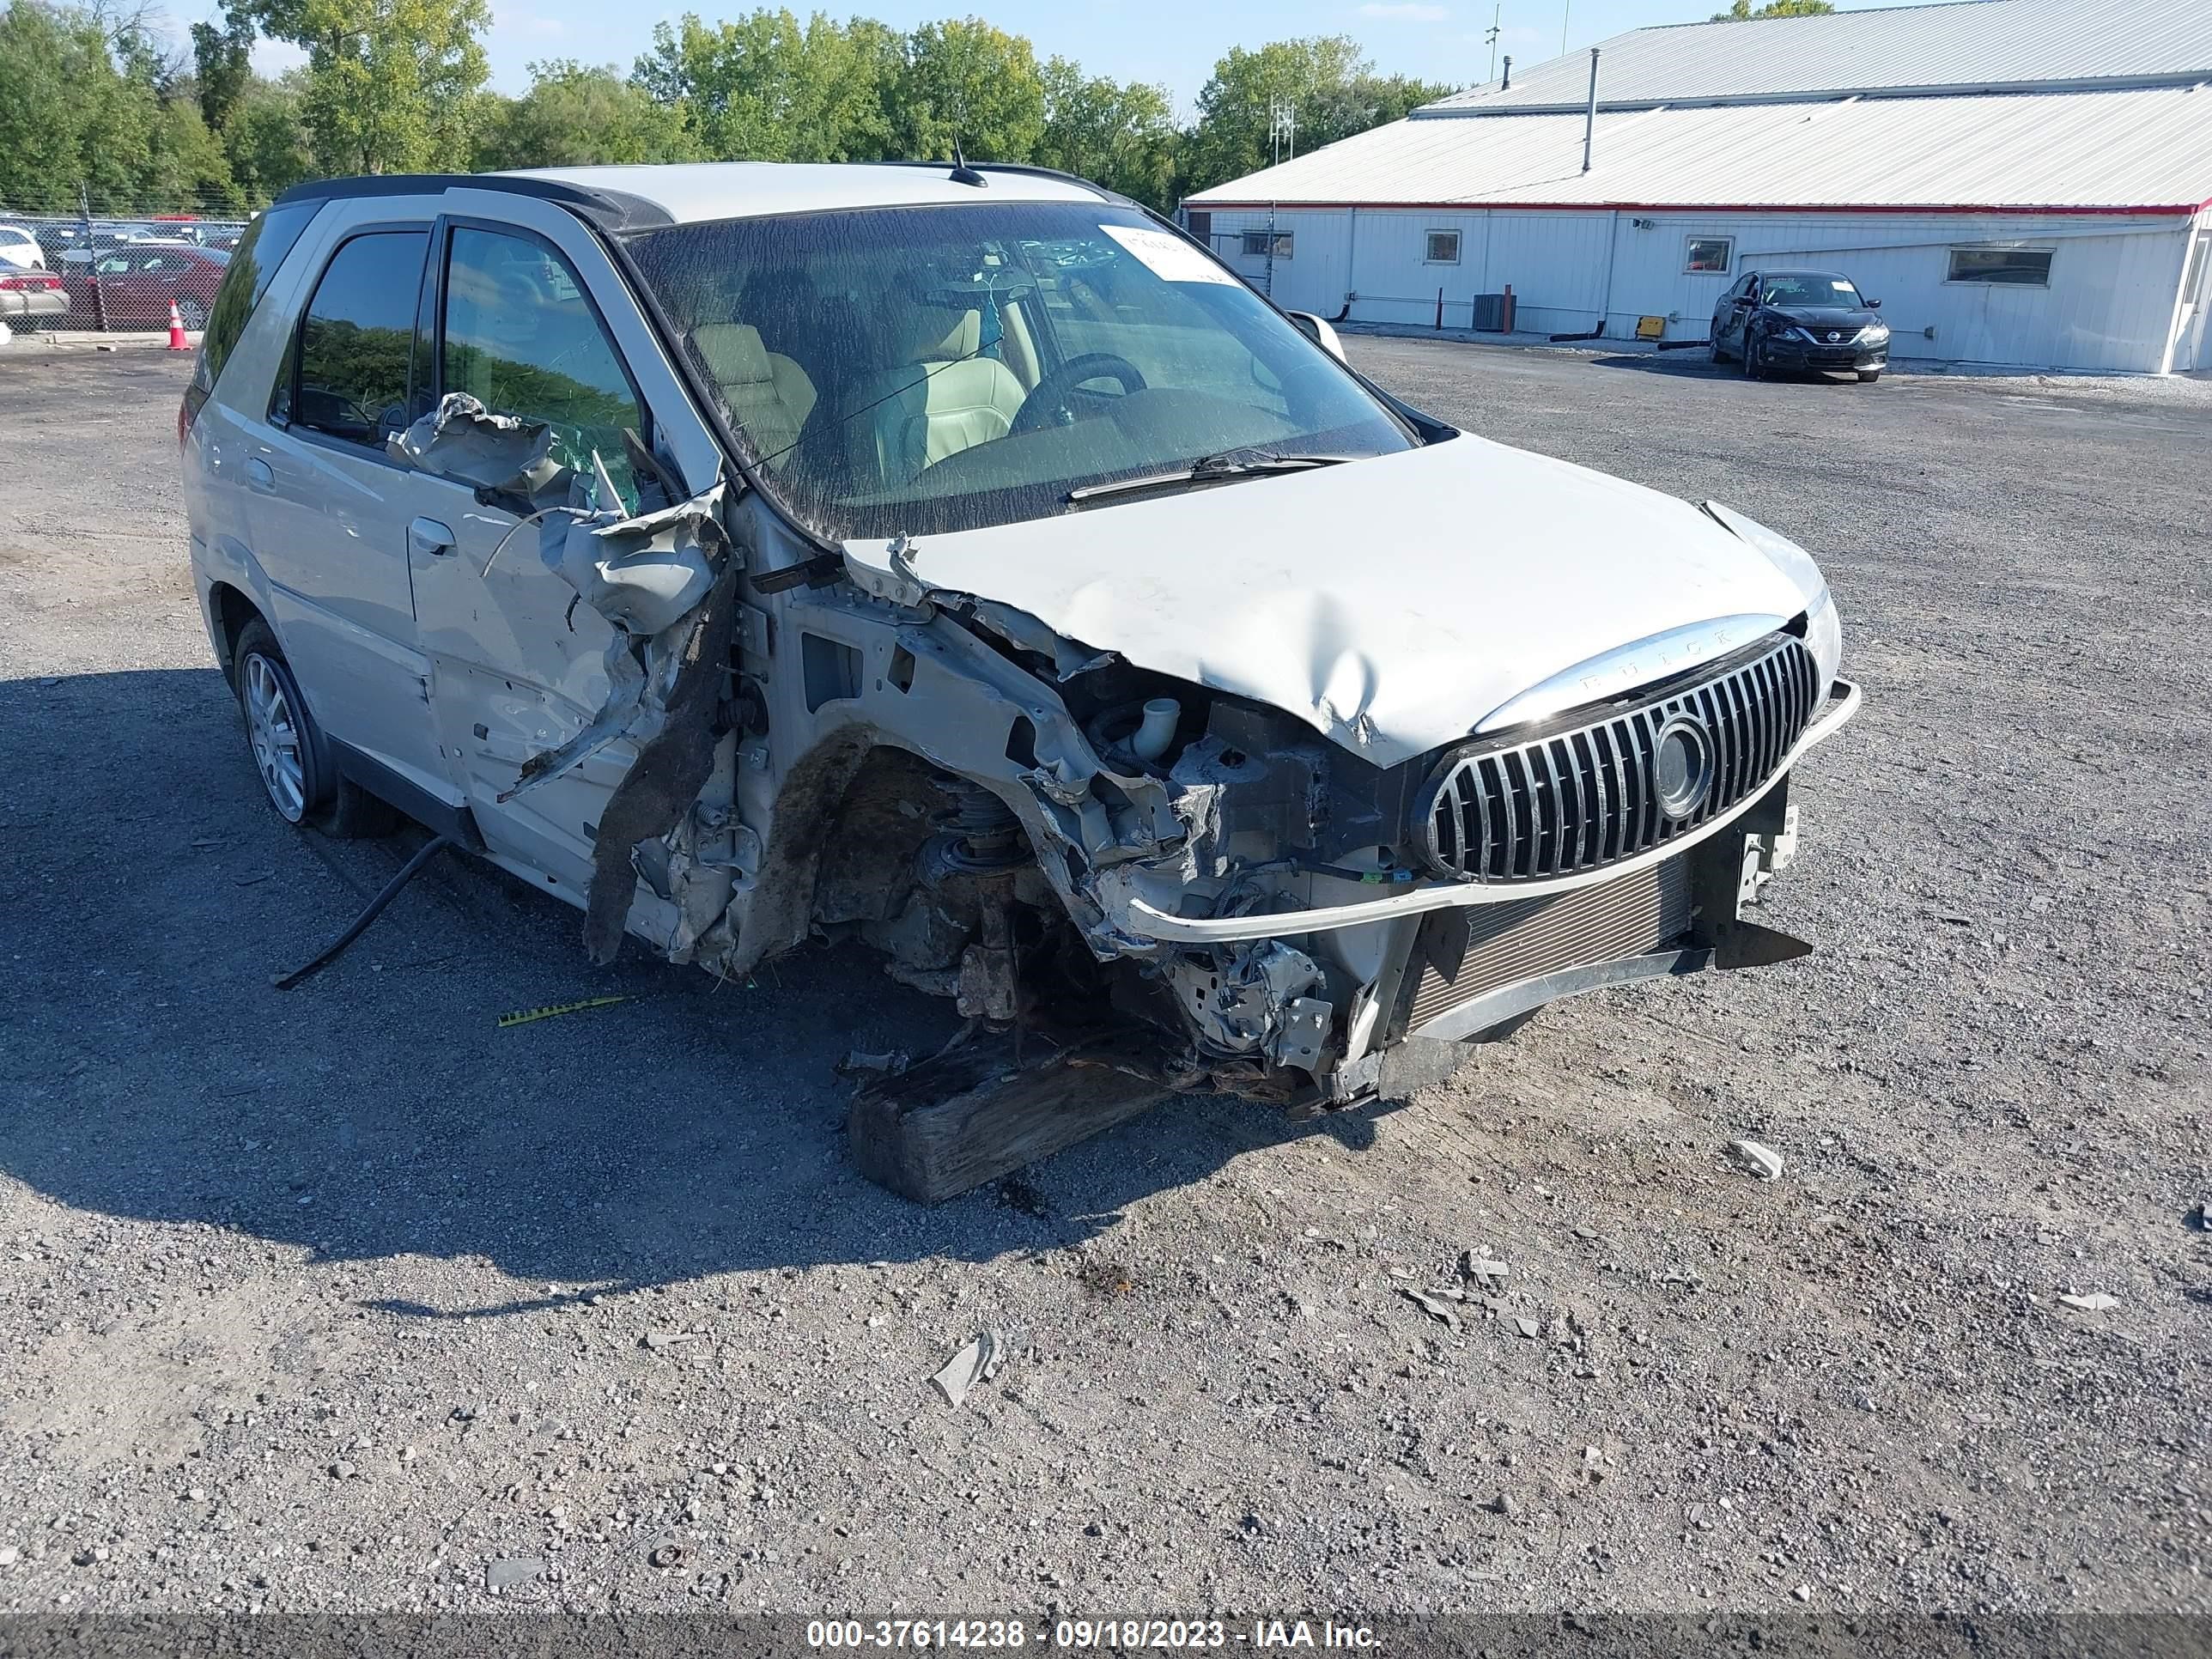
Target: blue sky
(1172,42)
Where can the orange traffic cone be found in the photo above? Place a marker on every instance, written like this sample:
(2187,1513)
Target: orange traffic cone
(177,340)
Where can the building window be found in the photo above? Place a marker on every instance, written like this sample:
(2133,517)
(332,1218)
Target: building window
(1443,247)
(1710,253)
(2022,267)
(1256,244)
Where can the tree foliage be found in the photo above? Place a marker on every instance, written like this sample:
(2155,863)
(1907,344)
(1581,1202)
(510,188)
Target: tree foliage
(1330,90)
(1122,138)
(392,84)
(93,106)
(767,87)
(576,114)
(1743,11)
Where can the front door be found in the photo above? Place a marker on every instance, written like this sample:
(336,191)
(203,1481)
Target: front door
(516,661)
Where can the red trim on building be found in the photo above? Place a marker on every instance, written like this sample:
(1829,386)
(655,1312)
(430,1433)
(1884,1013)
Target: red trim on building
(2162,209)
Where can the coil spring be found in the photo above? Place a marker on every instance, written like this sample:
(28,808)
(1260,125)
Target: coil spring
(986,834)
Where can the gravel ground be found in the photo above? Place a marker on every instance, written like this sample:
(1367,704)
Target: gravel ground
(348,1298)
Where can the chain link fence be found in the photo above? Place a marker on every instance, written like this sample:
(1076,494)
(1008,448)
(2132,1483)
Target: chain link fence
(117,264)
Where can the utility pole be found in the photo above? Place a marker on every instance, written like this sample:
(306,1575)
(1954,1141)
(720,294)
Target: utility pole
(1497,12)
(1565,11)
(1283,130)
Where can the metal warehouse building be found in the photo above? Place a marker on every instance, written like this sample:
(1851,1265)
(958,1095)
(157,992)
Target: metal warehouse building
(2020,182)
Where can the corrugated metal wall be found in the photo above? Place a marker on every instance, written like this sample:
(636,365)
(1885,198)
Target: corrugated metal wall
(2111,305)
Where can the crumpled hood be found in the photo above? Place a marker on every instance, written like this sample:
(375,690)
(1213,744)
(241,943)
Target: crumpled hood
(1391,603)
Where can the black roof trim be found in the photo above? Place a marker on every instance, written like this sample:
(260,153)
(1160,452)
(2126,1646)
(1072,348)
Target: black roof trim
(614,209)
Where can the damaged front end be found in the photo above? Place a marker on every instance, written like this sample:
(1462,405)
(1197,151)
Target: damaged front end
(1103,865)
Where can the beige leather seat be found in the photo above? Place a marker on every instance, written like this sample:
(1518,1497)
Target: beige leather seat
(944,401)
(769,395)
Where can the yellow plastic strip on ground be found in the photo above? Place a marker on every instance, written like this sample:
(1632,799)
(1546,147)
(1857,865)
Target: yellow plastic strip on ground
(523,1015)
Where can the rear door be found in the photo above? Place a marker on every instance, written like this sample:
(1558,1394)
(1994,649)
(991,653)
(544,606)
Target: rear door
(328,510)
(529,316)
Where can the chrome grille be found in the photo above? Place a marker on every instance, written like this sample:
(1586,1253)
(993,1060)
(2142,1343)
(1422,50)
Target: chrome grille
(1590,795)
(1643,911)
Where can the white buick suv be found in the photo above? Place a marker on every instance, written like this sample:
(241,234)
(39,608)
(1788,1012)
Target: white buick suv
(964,561)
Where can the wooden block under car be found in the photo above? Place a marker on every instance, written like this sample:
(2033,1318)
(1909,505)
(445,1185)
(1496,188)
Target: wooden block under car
(957,1120)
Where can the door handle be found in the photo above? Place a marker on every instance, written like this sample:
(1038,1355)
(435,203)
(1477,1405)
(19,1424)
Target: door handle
(259,477)
(429,539)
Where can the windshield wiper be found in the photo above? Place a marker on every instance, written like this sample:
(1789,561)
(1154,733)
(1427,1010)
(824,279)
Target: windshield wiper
(1230,464)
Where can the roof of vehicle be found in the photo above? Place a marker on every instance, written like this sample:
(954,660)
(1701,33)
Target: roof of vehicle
(694,192)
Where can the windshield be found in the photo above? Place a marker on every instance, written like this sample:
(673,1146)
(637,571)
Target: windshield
(1817,287)
(917,369)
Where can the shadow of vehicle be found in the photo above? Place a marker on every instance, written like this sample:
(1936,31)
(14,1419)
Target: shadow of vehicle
(380,1110)
(1698,365)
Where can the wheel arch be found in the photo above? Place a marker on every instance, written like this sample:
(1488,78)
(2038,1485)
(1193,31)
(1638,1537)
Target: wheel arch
(229,608)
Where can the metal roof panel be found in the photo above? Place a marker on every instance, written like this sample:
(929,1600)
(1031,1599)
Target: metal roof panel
(2149,148)
(1966,45)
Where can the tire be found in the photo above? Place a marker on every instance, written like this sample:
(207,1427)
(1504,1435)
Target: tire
(1754,360)
(1719,356)
(193,315)
(1868,376)
(290,750)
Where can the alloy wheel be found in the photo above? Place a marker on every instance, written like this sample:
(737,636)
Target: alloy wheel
(273,729)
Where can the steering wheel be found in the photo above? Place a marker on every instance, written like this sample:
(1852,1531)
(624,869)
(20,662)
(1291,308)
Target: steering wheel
(1046,404)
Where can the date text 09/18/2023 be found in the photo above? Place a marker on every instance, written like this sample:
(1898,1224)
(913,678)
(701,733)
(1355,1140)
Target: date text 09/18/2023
(1090,1635)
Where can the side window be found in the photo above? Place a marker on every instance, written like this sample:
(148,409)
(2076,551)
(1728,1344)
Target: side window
(252,264)
(521,338)
(1708,253)
(351,355)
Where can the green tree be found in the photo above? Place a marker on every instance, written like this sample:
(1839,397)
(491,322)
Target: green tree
(222,62)
(78,113)
(1331,90)
(188,166)
(575,114)
(1122,138)
(392,84)
(1741,12)
(968,82)
(265,136)
(766,87)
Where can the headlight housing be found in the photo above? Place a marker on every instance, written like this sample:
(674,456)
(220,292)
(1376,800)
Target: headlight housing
(1823,629)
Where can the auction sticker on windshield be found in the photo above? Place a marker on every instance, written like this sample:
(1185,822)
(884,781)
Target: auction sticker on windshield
(1166,257)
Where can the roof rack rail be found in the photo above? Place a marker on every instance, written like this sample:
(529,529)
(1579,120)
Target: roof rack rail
(614,208)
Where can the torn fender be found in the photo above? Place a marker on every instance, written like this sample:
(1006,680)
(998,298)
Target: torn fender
(647,575)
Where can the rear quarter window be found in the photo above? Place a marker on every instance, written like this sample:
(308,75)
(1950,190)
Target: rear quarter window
(252,266)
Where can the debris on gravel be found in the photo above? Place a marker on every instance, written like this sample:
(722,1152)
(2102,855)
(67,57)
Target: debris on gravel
(979,1362)
(1435,1306)
(2094,1301)
(1761,1160)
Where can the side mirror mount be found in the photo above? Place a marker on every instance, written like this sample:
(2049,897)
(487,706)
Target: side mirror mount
(1317,329)
(1874,305)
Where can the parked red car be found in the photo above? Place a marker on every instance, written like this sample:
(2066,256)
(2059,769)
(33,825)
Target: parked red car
(138,280)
